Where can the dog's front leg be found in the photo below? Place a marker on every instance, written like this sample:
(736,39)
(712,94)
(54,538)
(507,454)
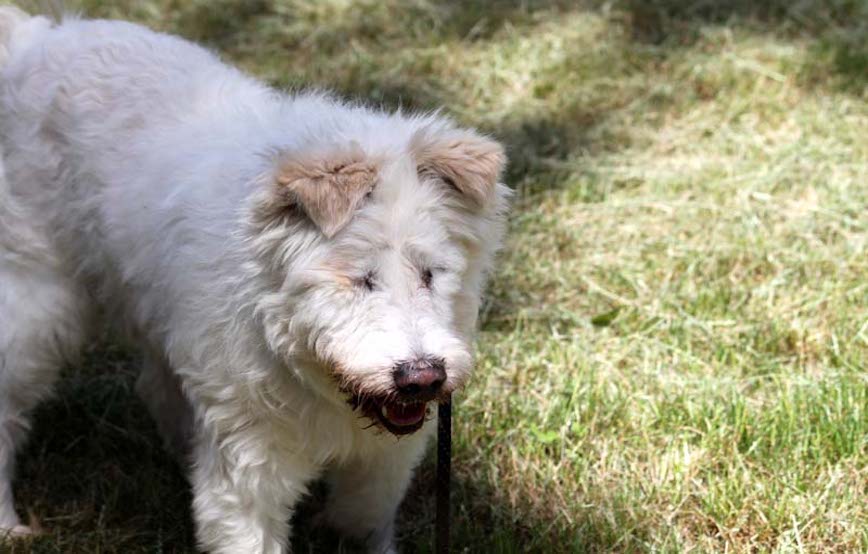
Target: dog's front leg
(243,498)
(365,494)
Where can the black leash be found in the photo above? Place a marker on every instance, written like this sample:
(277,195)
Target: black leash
(444,470)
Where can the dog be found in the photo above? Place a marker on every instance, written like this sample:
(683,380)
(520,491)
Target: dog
(303,274)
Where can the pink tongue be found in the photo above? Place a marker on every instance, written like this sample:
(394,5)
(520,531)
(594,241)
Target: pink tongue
(403,415)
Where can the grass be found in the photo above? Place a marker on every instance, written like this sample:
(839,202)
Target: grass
(673,354)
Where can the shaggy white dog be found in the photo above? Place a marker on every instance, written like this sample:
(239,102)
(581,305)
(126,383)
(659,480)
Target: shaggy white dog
(303,275)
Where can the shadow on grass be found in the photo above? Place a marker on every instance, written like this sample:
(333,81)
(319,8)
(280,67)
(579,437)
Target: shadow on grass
(93,473)
(837,28)
(220,22)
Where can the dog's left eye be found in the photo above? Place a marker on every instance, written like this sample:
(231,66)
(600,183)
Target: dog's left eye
(427,276)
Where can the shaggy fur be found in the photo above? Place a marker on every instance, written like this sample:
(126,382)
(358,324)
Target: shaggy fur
(277,258)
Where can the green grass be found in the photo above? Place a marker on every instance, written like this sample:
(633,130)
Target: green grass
(673,352)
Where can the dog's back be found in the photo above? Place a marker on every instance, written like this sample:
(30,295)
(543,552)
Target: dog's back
(17,29)
(104,120)
(20,240)
(95,90)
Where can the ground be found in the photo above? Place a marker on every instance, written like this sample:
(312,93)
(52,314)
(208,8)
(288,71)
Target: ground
(673,351)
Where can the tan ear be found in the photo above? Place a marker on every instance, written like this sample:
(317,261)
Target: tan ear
(463,158)
(328,187)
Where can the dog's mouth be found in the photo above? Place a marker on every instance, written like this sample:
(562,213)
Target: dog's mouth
(398,418)
(402,419)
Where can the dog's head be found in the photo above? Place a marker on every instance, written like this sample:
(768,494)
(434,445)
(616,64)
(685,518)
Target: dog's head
(378,258)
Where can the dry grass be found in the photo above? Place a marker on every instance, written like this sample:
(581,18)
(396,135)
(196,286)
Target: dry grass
(673,356)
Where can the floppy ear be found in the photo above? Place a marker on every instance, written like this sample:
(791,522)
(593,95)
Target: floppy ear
(466,160)
(328,187)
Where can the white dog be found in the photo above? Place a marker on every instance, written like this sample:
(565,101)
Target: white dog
(303,275)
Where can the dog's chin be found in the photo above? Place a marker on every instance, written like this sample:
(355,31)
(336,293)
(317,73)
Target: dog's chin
(398,418)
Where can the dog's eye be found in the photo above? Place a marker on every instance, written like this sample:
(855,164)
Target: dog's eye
(367,282)
(427,276)
(449,182)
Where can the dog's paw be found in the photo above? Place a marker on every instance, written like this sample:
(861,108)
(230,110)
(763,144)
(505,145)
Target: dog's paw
(18,532)
(14,530)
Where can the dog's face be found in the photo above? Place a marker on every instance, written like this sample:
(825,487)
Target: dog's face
(382,276)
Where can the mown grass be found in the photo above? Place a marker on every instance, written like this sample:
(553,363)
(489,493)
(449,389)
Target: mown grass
(673,354)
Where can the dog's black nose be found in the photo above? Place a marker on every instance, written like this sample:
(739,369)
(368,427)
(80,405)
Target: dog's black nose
(420,379)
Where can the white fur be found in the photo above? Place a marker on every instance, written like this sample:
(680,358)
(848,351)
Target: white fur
(135,164)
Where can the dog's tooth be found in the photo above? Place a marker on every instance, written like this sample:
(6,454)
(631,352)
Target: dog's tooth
(384,411)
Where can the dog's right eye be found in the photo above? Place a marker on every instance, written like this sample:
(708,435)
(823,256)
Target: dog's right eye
(367,282)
